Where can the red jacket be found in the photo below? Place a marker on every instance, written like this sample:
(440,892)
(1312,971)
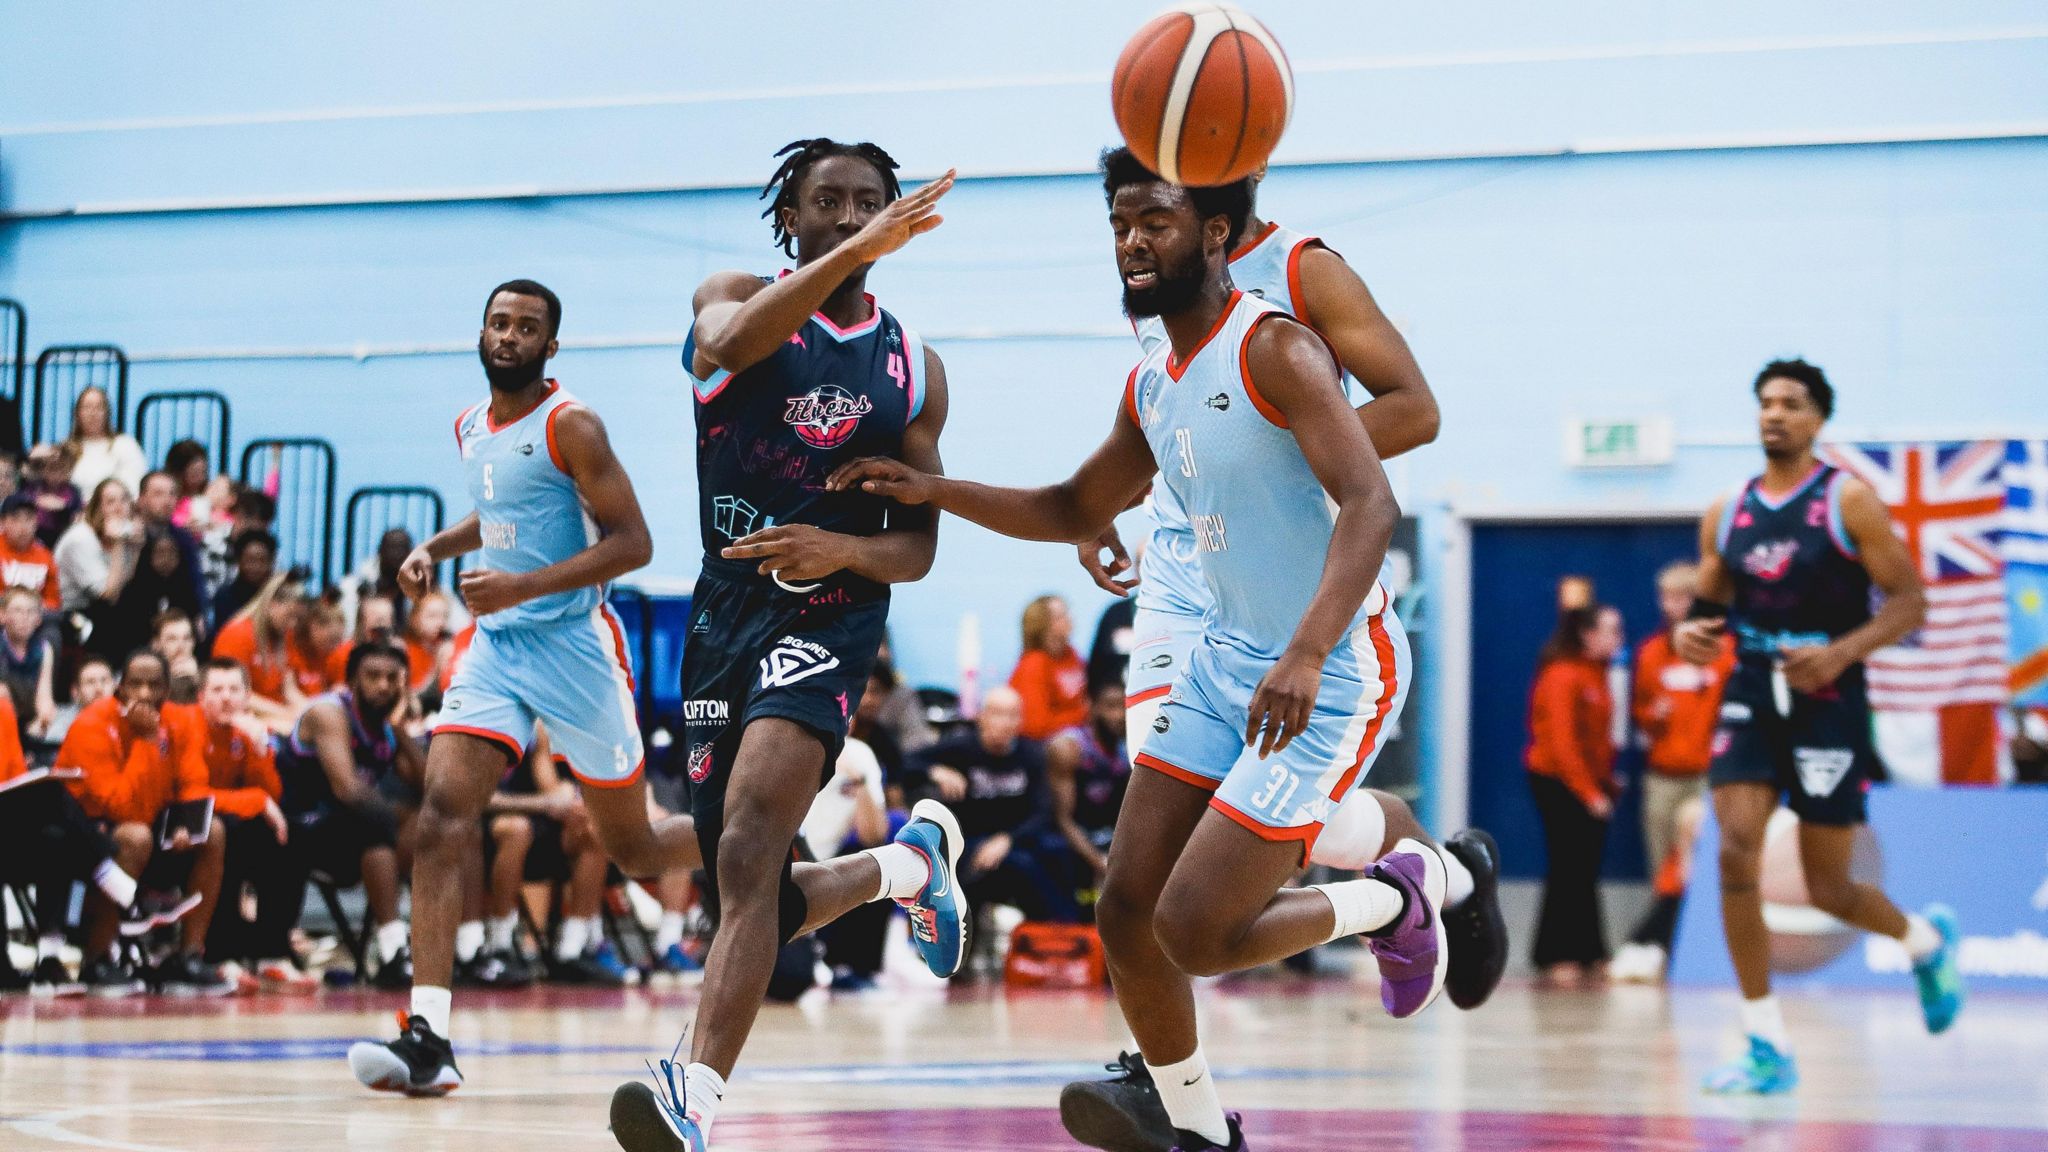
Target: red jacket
(1677,704)
(242,771)
(130,781)
(1571,714)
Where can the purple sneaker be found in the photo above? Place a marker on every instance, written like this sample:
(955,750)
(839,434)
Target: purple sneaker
(1237,1141)
(1413,952)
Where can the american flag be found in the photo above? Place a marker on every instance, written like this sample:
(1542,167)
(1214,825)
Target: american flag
(1947,500)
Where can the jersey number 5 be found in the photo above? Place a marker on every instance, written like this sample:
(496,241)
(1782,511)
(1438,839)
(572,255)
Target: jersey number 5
(489,491)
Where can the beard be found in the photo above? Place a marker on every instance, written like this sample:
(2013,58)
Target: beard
(512,377)
(1175,289)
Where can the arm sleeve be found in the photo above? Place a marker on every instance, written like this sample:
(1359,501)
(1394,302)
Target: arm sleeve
(108,787)
(81,556)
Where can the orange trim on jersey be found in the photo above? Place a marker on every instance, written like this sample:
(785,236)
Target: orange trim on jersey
(1390,682)
(1294,292)
(619,645)
(1244,372)
(496,427)
(1152,693)
(498,738)
(1306,833)
(554,453)
(1229,306)
(1246,244)
(627,781)
(1131,398)
(1147,760)
(459,418)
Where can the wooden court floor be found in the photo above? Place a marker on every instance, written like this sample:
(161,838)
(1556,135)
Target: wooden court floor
(1313,1063)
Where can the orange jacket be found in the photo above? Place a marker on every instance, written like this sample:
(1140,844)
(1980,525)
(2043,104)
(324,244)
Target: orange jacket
(243,773)
(1055,692)
(130,781)
(32,568)
(1678,704)
(12,762)
(237,642)
(1571,714)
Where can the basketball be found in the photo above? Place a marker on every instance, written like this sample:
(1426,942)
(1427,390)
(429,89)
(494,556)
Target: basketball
(1202,94)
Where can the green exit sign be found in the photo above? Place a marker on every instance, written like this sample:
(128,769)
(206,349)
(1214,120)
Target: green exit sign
(1643,442)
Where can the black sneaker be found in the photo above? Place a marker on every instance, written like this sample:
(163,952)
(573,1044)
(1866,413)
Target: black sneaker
(1121,1114)
(1477,933)
(111,979)
(1189,1142)
(10,979)
(395,974)
(188,975)
(418,1063)
(597,967)
(52,979)
(502,968)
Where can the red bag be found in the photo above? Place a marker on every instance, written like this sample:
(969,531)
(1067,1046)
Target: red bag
(1044,955)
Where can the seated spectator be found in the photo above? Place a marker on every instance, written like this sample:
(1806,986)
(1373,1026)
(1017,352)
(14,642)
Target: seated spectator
(1111,652)
(91,681)
(242,767)
(427,649)
(377,575)
(376,619)
(254,557)
(137,754)
(878,722)
(160,584)
(10,459)
(97,556)
(322,632)
(49,482)
(24,561)
(259,640)
(993,778)
(47,840)
(352,787)
(191,465)
(1087,772)
(170,636)
(1050,678)
(102,453)
(156,504)
(849,815)
(28,664)
(898,709)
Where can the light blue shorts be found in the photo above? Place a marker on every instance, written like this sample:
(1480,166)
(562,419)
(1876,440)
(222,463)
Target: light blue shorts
(1161,645)
(1198,737)
(572,675)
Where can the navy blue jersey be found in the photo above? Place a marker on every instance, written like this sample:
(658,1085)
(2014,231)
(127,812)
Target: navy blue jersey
(1798,580)
(298,759)
(769,436)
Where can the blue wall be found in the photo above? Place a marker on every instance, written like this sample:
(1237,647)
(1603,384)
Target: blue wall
(1612,209)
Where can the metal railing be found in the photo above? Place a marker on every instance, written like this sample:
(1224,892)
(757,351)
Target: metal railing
(13,370)
(299,473)
(65,370)
(164,418)
(375,510)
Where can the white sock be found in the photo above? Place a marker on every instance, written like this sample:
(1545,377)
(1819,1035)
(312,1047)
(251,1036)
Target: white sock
(391,939)
(1460,888)
(572,939)
(1361,905)
(1189,1093)
(1921,938)
(434,1004)
(49,944)
(118,885)
(1763,1019)
(469,940)
(703,1091)
(670,933)
(905,871)
(501,934)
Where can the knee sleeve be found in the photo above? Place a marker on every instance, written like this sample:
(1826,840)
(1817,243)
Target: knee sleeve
(1351,840)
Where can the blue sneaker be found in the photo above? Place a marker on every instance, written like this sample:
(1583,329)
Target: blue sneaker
(654,1119)
(938,913)
(1940,981)
(676,962)
(1764,1071)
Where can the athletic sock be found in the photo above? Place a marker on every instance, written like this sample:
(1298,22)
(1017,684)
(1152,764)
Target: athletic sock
(573,938)
(1459,888)
(391,939)
(1922,940)
(1189,1093)
(703,1091)
(670,933)
(593,932)
(49,944)
(118,885)
(1763,1019)
(469,940)
(502,933)
(434,1005)
(905,871)
(1362,905)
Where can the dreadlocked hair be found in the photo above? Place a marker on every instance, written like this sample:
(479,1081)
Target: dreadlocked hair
(799,155)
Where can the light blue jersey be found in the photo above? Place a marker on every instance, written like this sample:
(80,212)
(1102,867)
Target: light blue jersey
(531,515)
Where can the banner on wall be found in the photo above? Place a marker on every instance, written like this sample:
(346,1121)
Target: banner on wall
(2024,547)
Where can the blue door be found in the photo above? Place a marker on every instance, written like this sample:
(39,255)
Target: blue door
(1515,570)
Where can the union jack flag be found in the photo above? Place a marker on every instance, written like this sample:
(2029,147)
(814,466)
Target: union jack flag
(1947,501)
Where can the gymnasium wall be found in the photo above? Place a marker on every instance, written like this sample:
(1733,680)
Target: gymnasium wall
(1596,209)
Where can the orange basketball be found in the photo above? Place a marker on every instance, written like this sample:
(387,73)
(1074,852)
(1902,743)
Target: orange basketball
(1202,94)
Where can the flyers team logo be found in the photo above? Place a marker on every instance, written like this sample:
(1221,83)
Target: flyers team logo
(1770,560)
(700,763)
(826,416)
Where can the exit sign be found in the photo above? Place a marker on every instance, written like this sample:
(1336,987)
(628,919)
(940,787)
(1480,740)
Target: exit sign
(1640,443)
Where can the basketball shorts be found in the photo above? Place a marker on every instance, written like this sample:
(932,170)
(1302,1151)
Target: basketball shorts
(1162,643)
(1198,736)
(571,674)
(1820,757)
(754,652)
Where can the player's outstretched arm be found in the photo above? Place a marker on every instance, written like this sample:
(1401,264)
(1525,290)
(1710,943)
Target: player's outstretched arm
(585,453)
(1293,372)
(1869,525)
(1697,639)
(741,321)
(1402,414)
(1073,510)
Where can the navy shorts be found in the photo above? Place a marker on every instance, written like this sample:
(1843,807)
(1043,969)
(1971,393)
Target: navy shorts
(1819,755)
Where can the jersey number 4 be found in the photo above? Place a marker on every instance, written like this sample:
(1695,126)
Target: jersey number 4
(897,371)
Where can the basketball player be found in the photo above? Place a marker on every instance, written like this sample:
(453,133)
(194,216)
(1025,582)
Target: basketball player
(1301,663)
(794,375)
(556,520)
(1308,279)
(1790,560)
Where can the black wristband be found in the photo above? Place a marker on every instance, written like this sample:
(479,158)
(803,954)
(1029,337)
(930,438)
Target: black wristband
(1705,609)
